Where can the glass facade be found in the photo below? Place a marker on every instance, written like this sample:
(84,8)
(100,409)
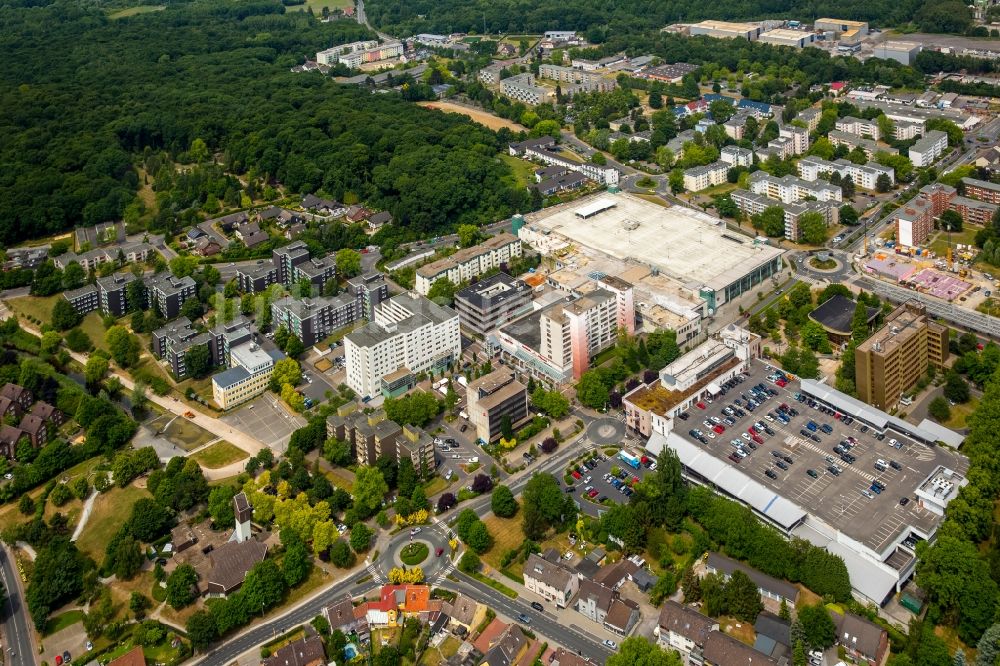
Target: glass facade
(753,278)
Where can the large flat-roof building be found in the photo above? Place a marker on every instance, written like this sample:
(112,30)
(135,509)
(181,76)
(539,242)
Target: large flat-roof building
(840,26)
(493,397)
(901,52)
(491,303)
(248,377)
(408,331)
(895,357)
(689,246)
(726,30)
(928,148)
(469,262)
(313,319)
(784,37)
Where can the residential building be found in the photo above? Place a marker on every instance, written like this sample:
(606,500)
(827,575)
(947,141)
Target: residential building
(173,342)
(852,141)
(736,156)
(121,254)
(784,37)
(726,30)
(549,579)
(287,258)
(864,176)
(798,137)
(227,335)
(810,117)
(85,299)
(521,148)
(342,616)
(865,642)
(557,341)
(895,357)
(491,399)
(790,189)
(601,174)
(507,649)
(914,222)
(859,126)
(19,396)
(36,429)
(982,190)
(972,210)
(369,290)
(685,630)
(114,294)
(522,88)
(318,271)
(929,148)
(133,657)
(248,376)
(330,56)
(736,127)
(302,652)
(407,331)
(602,604)
(901,52)
(372,436)
(773,636)
(751,203)
(379,220)
(313,319)
(703,177)
(386,51)
(326,207)
(490,75)
(167,293)
(578,79)
(48,413)
(905,130)
(9,439)
(488,304)
(724,650)
(257,278)
(769,587)
(469,262)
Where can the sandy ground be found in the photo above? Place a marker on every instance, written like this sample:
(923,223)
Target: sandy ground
(481,117)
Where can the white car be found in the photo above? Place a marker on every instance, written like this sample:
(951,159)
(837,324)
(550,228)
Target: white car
(745,436)
(611,645)
(415,530)
(710,434)
(893,442)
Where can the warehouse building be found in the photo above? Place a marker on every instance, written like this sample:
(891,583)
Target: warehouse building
(726,30)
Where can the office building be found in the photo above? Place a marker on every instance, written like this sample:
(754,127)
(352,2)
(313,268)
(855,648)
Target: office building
(929,148)
(167,293)
(369,290)
(85,299)
(790,189)
(703,177)
(491,303)
(114,294)
(469,262)
(557,342)
(522,88)
(408,331)
(902,52)
(248,377)
(726,30)
(982,190)
(893,359)
(313,319)
(859,126)
(491,399)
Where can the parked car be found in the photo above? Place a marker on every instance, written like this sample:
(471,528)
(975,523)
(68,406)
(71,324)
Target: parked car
(537,606)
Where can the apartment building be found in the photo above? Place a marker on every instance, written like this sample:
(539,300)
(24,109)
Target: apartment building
(579,80)
(522,88)
(257,278)
(736,126)
(122,253)
(790,189)
(167,293)
(85,299)
(330,56)
(859,126)
(549,579)
(491,303)
(287,258)
(227,335)
(973,210)
(248,377)
(369,290)
(914,222)
(113,291)
(685,630)
(752,204)
(173,341)
(905,130)
(493,397)
(372,435)
(852,141)
(929,148)
(892,360)
(409,331)
(703,177)
(313,319)
(736,156)
(810,117)
(543,151)
(556,342)
(377,53)
(490,75)
(469,262)
(724,650)
(797,136)
(605,606)
(318,271)
(862,175)
(982,190)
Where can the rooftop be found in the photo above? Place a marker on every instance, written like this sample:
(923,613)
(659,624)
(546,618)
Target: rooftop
(467,254)
(836,314)
(493,291)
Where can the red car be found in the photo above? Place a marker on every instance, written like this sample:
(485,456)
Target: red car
(700,405)
(719,429)
(576,475)
(757,438)
(635,480)
(593,493)
(782,383)
(438,552)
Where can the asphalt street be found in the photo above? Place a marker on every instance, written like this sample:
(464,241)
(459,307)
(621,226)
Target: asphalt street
(18,647)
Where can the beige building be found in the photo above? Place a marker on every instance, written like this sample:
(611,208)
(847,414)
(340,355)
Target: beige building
(549,579)
(893,359)
(248,377)
(373,435)
(492,397)
(469,262)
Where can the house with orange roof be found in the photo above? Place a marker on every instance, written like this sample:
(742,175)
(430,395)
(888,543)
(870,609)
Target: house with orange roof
(399,601)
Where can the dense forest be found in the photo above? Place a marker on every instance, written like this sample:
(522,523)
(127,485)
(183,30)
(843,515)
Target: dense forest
(83,97)
(597,18)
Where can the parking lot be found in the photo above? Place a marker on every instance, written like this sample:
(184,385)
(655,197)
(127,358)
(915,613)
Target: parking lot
(606,489)
(264,419)
(810,473)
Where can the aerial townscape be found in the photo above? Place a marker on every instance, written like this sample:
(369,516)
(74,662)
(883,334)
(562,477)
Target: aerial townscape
(462,332)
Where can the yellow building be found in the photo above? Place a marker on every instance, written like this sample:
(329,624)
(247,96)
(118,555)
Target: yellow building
(248,377)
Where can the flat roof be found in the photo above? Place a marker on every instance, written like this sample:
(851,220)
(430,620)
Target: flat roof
(690,245)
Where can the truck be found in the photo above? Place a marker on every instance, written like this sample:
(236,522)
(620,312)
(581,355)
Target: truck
(629,459)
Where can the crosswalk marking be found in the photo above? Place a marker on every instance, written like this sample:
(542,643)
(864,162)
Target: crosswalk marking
(376,574)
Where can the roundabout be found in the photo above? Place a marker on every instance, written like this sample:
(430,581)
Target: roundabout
(606,432)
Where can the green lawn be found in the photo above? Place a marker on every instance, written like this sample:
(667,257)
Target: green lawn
(959,414)
(219,455)
(63,620)
(132,11)
(94,328)
(37,307)
(939,244)
(524,172)
(111,510)
(318,5)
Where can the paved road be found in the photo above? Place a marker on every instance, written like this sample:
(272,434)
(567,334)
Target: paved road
(17,631)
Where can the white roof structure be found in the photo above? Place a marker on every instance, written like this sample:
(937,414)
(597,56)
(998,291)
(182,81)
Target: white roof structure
(946,435)
(595,207)
(872,580)
(730,480)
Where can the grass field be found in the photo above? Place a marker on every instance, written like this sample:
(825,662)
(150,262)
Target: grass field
(318,5)
(219,455)
(959,414)
(37,307)
(338,479)
(435,486)
(132,11)
(506,534)
(939,245)
(94,328)
(180,432)
(63,620)
(111,510)
(524,172)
